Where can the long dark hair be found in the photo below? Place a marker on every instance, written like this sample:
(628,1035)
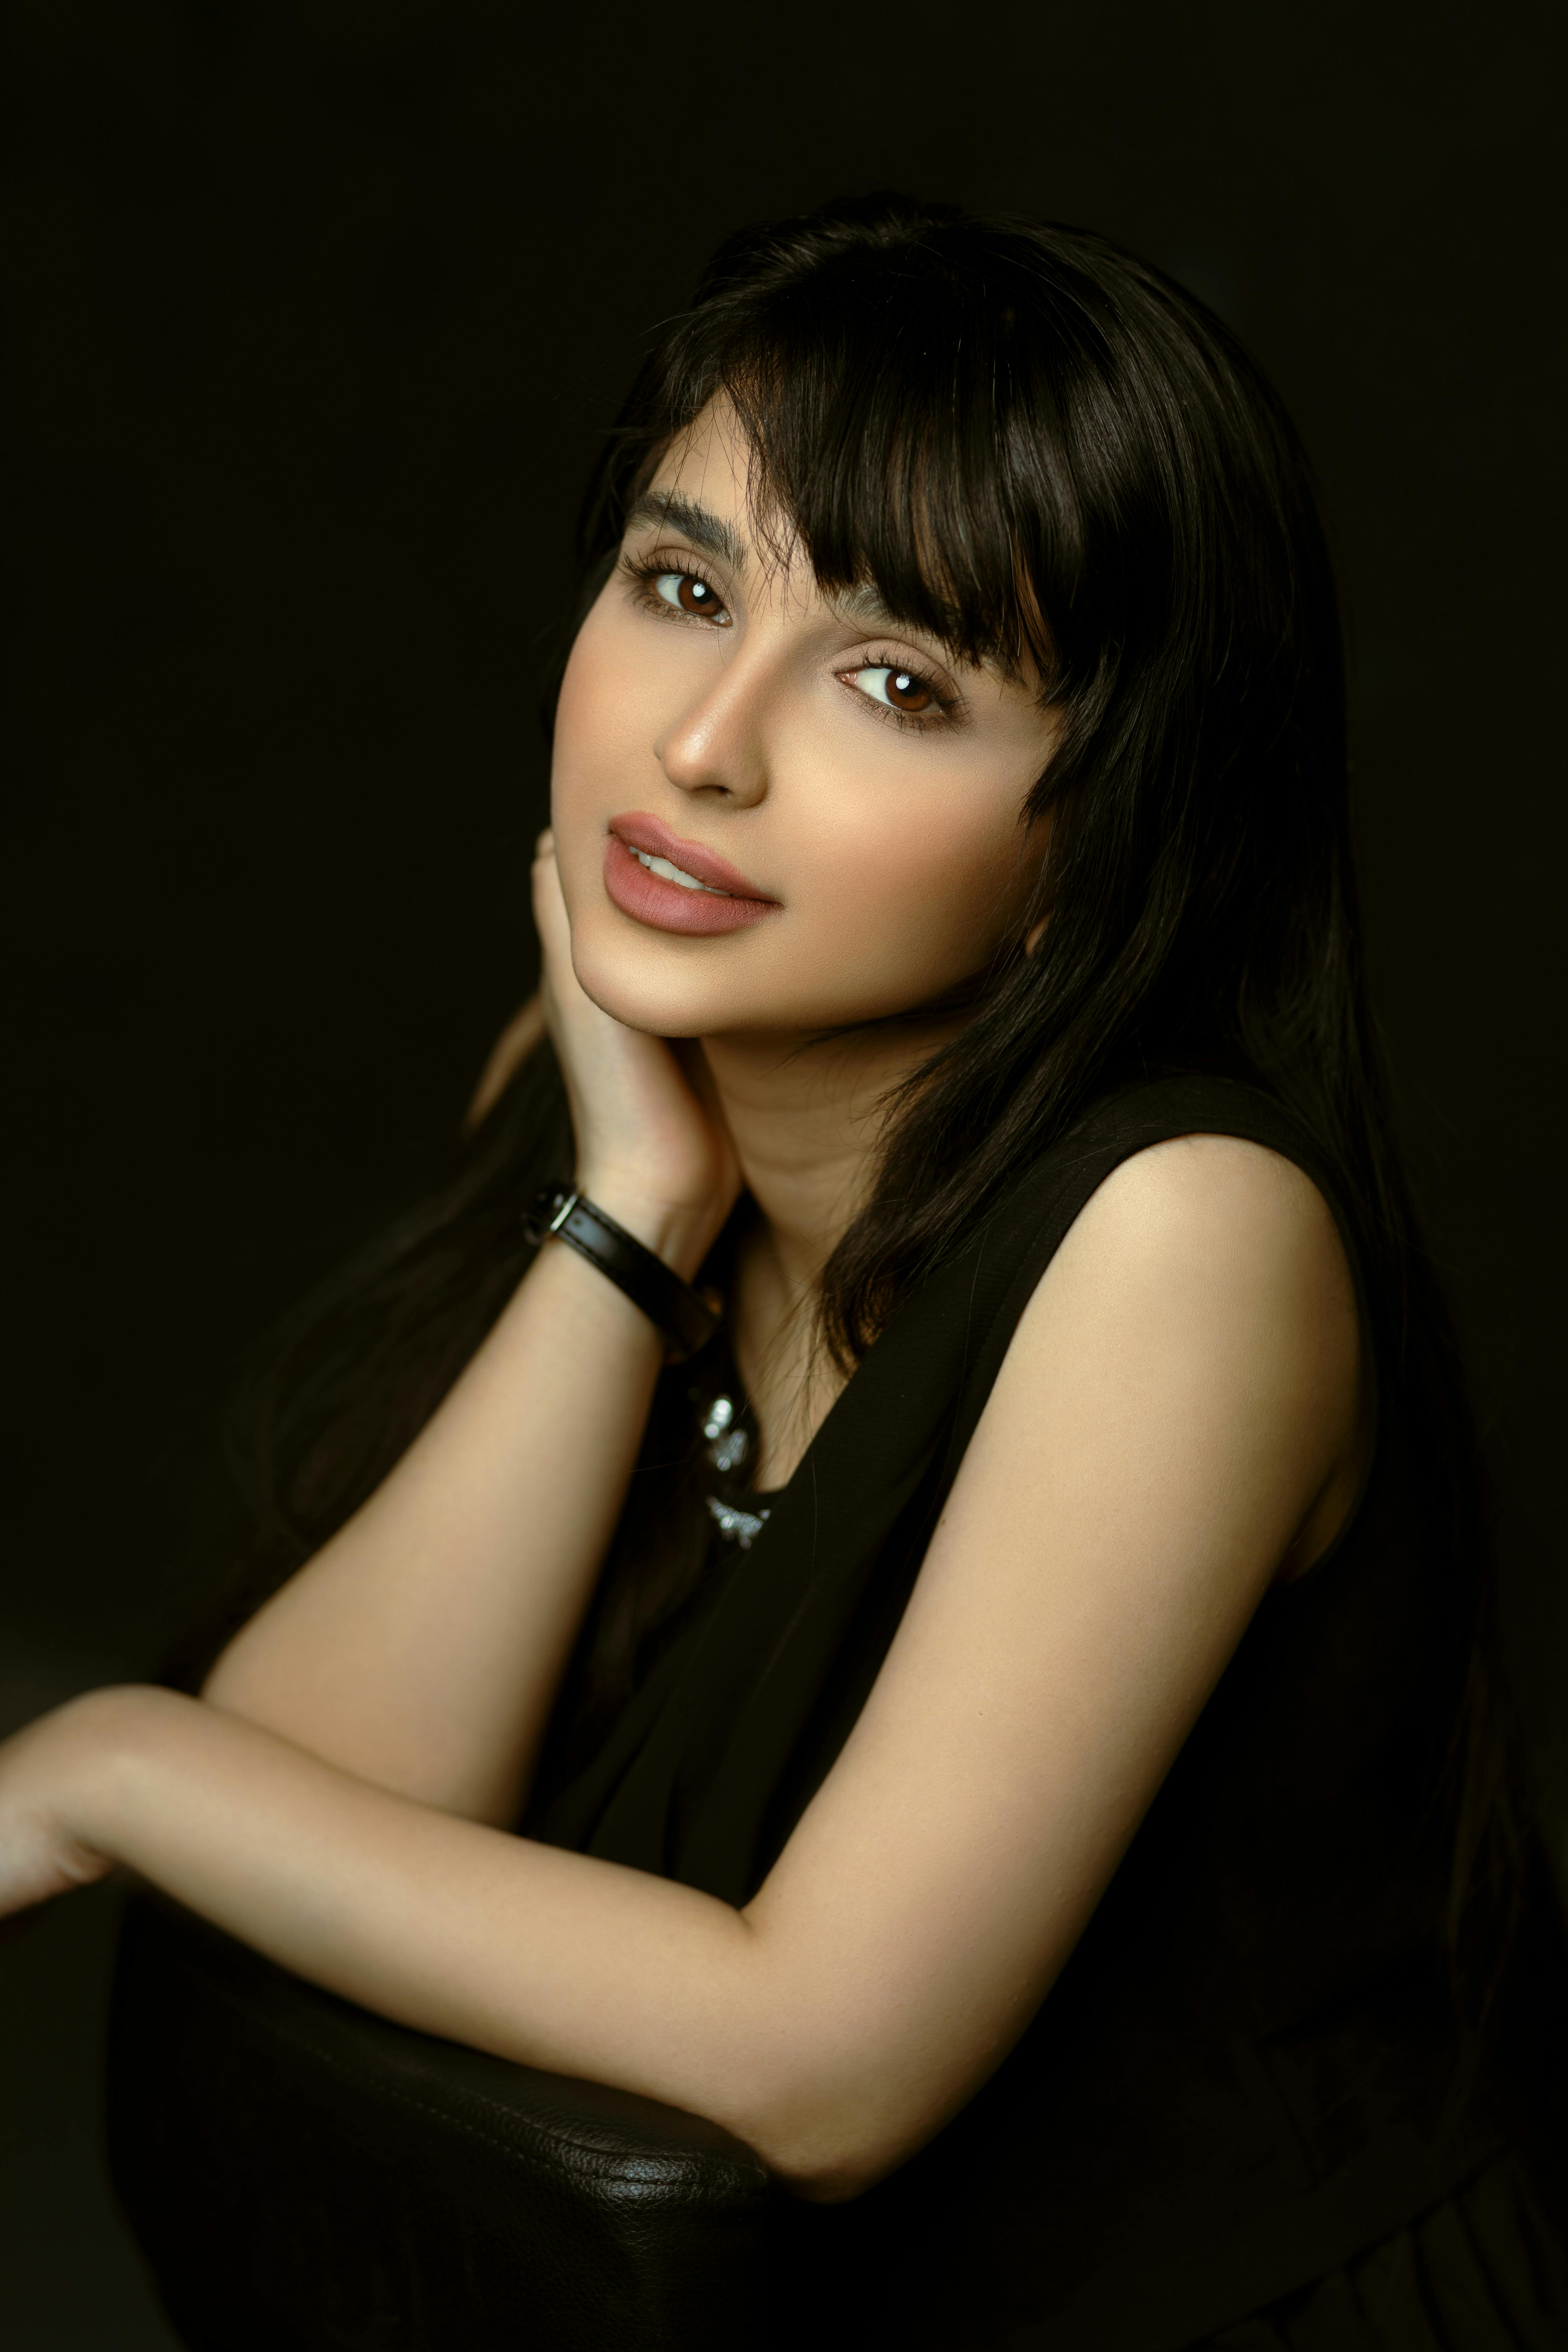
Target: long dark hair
(1039,447)
(1044,451)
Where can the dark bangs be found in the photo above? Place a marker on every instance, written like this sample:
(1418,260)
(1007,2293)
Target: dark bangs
(1033,446)
(891,425)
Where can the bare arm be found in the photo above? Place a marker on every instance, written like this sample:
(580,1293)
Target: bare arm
(423,1646)
(1176,1418)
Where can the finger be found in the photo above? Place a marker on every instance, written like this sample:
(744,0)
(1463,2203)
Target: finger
(555,927)
(548,898)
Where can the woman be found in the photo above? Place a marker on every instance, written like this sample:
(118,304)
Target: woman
(952,1532)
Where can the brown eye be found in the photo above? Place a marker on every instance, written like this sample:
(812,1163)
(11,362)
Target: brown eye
(897,689)
(686,594)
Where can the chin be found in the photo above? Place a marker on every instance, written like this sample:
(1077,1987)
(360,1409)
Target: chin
(751,982)
(649,992)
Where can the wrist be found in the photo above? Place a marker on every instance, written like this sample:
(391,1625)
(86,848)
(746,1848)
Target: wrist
(680,1233)
(103,1740)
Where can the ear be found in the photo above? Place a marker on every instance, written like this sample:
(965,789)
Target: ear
(1036,934)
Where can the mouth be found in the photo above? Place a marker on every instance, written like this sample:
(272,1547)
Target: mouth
(673,884)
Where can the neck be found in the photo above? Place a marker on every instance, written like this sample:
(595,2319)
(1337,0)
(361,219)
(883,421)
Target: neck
(806,1116)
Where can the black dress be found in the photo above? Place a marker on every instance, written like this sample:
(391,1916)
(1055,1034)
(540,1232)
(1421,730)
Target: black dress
(1246,2114)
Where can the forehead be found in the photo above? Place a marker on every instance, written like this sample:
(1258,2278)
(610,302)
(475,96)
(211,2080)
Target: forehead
(711,459)
(712,487)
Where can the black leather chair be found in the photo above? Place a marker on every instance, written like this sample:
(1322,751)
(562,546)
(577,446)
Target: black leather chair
(303,2176)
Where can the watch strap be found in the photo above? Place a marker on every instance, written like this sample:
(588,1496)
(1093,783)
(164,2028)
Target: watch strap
(682,1314)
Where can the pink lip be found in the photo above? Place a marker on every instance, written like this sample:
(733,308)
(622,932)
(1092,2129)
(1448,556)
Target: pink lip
(639,831)
(666,905)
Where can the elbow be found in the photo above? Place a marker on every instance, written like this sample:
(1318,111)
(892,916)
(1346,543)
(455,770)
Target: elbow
(223,1685)
(828,2147)
(229,1688)
(832,2183)
(827,2168)
(212,1682)
(827,2088)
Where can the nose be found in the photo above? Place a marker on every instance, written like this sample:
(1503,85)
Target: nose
(715,747)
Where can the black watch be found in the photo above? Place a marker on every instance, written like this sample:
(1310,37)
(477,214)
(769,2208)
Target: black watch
(682,1314)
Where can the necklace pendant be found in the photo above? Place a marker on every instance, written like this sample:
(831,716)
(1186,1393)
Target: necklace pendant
(737,1527)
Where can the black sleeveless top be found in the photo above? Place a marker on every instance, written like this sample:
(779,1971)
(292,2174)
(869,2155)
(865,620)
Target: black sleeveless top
(1248,2070)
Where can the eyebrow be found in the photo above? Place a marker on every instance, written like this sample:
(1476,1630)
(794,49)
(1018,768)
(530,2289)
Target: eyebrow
(669,511)
(867,603)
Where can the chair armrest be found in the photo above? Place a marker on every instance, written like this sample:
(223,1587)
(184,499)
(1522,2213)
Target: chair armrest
(299,2172)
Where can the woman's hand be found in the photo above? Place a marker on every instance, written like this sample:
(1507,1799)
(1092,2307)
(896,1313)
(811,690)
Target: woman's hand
(44,1771)
(650,1149)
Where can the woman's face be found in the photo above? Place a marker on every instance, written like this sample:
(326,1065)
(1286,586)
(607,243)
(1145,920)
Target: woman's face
(846,794)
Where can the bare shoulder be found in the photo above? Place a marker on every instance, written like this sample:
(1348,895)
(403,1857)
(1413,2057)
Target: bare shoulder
(1215,1200)
(1206,1279)
(1218,1230)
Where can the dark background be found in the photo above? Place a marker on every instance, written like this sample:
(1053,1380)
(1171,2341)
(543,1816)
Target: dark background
(312,317)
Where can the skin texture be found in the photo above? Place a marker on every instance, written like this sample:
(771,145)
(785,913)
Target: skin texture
(1176,1423)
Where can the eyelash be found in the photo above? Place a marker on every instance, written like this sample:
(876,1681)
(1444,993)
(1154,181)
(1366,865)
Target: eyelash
(642,571)
(918,722)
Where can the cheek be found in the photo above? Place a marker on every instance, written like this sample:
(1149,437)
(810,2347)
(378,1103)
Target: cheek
(597,712)
(940,886)
(600,747)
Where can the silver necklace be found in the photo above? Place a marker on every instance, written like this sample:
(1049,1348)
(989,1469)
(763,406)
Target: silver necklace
(729,1444)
